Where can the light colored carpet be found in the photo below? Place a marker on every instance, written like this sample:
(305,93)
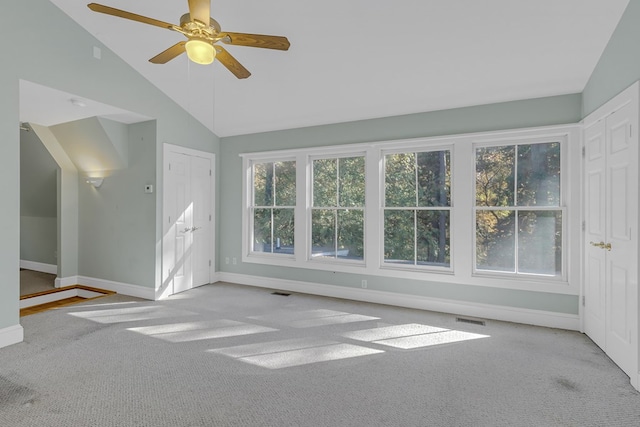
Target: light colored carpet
(32,282)
(227,355)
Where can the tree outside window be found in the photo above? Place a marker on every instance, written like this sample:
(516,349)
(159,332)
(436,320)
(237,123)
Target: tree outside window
(417,208)
(337,214)
(518,212)
(273,207)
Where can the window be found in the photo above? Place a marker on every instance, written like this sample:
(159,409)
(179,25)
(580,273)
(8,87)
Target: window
(497,209)
(337,214)
(273,206)
(518,209)
(417,208)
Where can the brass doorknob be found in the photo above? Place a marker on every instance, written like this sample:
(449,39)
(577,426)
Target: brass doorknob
(601,245)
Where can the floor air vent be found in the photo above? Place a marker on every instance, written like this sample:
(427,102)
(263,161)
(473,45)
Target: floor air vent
(469,320)
(282,294)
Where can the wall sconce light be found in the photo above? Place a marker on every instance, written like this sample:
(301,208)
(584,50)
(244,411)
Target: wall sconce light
(96,182)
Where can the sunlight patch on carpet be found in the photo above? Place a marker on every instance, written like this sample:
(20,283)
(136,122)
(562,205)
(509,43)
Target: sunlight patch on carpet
(313,318)
(130,314)
(296,352)
(411,336)
(195,331)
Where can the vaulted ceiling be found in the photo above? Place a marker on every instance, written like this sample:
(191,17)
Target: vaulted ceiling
(360,59)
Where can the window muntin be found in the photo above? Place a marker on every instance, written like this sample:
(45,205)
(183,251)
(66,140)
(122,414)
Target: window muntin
(337,212)
(518,213)
(417,209)
(273,207)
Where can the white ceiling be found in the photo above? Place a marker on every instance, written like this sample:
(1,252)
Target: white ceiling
(48,107)
(360,59)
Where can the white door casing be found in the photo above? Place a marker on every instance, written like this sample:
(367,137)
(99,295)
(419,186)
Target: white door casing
(611,231)
(187,253)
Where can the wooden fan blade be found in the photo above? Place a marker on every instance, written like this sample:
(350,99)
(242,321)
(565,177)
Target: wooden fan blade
(256,40)
(128,15)
(231,63)
(200,10)
(167,55)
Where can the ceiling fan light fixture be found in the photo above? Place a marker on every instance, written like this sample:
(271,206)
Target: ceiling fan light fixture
(200,51)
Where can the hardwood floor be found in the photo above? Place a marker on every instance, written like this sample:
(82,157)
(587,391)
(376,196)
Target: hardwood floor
(93,292)
(50,305)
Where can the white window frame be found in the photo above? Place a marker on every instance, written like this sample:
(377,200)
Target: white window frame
(408,267)
(310,207)
(462,220)
(562,140)
(249,200)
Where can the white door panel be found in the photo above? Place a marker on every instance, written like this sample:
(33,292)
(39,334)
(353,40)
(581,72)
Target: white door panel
(611,238)
(622,285)
(179,215)
(187,243)
(595,278)
(201,196)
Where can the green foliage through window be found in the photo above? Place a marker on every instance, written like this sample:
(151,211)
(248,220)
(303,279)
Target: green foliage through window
(337,217)
(273,210)
(518,214)
(417,208)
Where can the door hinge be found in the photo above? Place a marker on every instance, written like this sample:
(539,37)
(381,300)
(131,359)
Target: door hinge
(583,299)
(584,152)
(209,172)
(169,166)
(169,219)
(209,263)
(584,225)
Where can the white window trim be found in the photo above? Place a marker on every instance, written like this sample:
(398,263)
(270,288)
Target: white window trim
(524,140)
(248,201)
(463,199)
(309,209)
(422,148)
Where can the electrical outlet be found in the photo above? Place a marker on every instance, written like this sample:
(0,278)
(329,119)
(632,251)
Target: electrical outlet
(226,260)
(364,284)
(235,261)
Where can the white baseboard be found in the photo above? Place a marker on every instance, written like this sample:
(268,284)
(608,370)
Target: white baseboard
(11,335)
(121,288)
(487,311)
(39,266)
(165,292)
(61,282)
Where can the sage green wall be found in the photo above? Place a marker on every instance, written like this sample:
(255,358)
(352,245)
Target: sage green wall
(38,205)
(116,227)
(57,52)
(510,115)
(619,65)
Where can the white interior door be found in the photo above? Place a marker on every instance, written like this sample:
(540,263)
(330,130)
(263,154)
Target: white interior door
(611,237)
(595,257)
(188,218)
(622,223)
(202,216)
(179,214)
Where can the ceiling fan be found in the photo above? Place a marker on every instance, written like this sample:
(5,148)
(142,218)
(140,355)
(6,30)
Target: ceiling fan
(203,33)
